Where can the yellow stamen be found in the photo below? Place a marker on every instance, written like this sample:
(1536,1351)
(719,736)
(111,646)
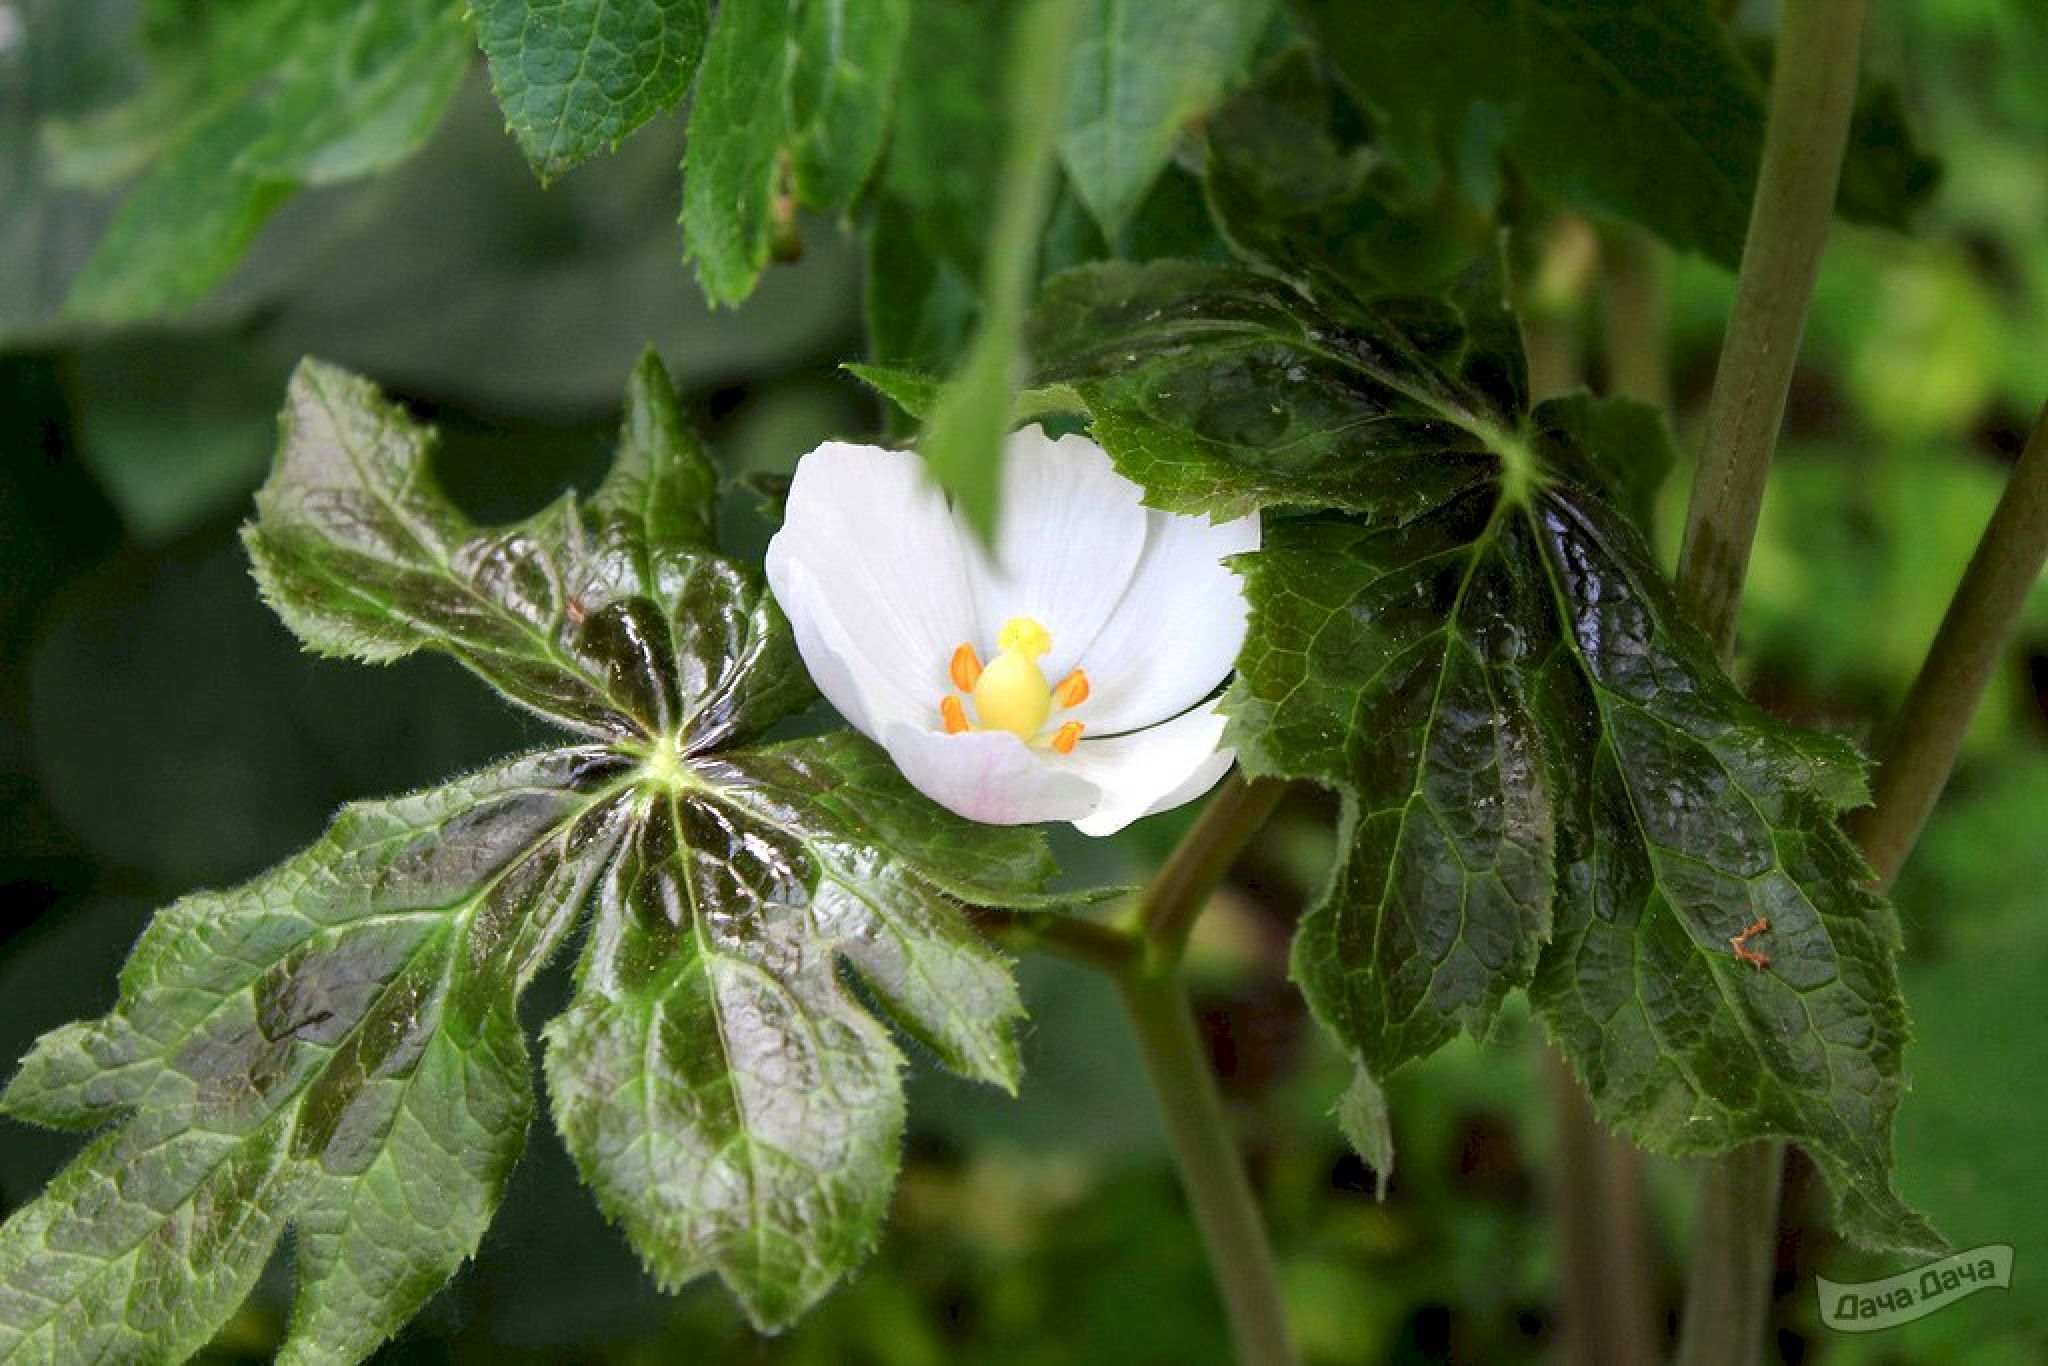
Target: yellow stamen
(1011,694)
(965,668)
(1066,737)
(1072,690)
(954,715)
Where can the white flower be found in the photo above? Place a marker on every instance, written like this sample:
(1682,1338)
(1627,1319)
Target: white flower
(1070,679)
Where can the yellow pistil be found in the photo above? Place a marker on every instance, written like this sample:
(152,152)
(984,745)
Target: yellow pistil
(1011,692)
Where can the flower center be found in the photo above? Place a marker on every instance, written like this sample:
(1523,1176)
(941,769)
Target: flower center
(1010,693)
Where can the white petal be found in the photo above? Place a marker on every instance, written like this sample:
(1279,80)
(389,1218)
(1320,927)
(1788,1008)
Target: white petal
(1070,533)
(1178,629)
(989,776)
(834,664)
(892,577)
(1151,770)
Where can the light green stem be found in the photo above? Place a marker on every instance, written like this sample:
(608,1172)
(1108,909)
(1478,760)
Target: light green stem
(1928,731)
(1813,90)
(1174,899)
(1211,1171)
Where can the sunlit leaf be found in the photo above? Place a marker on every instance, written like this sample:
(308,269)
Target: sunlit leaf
(334,1047)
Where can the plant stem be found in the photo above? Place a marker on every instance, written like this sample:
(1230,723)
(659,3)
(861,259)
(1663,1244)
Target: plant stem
(1210,1170)
(1813,88)
(1608,1316)
(1928,731)
(1178,893)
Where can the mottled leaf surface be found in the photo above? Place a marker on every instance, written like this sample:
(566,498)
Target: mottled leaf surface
(575,76)
(334,1047)
(1545,777)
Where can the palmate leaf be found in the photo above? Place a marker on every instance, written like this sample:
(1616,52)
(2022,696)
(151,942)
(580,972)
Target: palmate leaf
(1546,779)
(334,1047)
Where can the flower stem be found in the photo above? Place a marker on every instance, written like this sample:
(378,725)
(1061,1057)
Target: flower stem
(1211,1171)
(1813,88)
(1924,737)
(1175,898)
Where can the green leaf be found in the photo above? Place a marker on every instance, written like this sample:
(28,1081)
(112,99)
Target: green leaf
(333,1044)
(1693,816)
(1644,111)
(1362,1117)
(1382,666)
(1139,71)
(917,394)
(1220,390)
(261,99)
(1545,776)
(334,1047)
(1294,187)
(792,102)
(842,82)
(963,440)
(576,76)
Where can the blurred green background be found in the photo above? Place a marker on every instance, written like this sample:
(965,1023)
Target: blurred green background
(159,731)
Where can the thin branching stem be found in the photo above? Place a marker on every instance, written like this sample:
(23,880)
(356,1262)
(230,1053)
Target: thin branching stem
(1175,898)
(1922,741)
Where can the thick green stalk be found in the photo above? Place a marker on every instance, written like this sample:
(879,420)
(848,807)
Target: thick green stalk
(1928,731)
(1211,1172)
(1813,89)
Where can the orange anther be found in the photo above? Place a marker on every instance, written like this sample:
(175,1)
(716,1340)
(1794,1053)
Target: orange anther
(1066,737)
(954,715)
(1072,690)
(965,668)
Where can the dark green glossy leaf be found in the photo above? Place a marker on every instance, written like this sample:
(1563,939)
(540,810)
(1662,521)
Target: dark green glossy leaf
(1382,664)
(258,100)
(334,1046)
(1219,389)
(1691,816)
(576,76)
(1140,70)
(1642,111)
(1482,660)
(730,1100)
